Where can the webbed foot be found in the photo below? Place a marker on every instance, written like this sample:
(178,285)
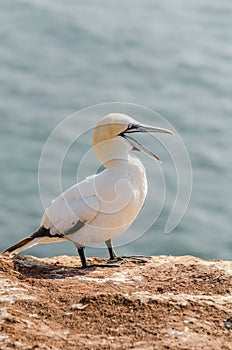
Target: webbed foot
(118,260)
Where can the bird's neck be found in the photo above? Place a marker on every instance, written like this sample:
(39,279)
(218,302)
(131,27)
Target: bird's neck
(113,152)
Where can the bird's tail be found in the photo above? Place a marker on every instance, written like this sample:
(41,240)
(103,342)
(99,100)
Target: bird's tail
(25,243)
(42,235)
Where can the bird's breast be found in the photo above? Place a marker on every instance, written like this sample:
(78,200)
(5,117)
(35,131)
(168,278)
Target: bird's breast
(122,192)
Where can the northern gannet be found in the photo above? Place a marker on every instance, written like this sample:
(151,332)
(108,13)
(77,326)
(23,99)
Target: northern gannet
(104,205)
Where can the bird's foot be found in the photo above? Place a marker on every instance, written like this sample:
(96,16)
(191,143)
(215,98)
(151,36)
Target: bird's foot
(119,260)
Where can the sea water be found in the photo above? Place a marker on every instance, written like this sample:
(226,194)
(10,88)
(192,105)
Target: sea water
(174,57)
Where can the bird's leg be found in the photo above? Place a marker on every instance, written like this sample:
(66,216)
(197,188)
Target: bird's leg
(114,260)
(118,260)
(111,250)
(81,252)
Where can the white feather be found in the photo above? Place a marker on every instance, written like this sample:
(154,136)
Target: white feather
(108,203)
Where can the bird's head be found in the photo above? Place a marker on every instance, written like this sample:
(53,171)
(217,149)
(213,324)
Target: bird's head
(111,135)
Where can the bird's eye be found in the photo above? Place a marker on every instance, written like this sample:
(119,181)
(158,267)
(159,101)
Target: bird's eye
(130,126)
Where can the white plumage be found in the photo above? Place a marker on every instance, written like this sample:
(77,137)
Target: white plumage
(107,203)
(104,205)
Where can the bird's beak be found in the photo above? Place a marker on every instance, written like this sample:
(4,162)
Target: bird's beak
(132,128)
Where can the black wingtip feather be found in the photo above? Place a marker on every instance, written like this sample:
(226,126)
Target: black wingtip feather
(18,245)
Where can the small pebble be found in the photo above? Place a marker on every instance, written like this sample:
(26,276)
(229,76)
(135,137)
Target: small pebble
(228,323)
(79,306)
(4,315)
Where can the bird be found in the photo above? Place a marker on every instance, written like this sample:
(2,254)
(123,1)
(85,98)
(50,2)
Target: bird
(104,205)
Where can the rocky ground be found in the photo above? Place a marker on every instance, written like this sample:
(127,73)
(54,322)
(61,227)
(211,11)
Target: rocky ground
(167,303)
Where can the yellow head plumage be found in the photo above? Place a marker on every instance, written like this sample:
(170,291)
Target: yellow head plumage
(110,127)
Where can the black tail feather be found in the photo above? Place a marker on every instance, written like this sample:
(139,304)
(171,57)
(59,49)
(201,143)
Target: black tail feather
(40,233)
(44,232)
(18,245)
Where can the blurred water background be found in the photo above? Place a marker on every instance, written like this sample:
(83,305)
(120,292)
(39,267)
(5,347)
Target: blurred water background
(57,57)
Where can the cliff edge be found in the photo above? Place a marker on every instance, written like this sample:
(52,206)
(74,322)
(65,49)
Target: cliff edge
(168,303)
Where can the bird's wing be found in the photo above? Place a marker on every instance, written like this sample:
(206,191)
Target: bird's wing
(80,190)
(68,217)
(74,207)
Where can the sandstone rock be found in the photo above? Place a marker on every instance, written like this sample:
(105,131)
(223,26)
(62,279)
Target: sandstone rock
(167,303)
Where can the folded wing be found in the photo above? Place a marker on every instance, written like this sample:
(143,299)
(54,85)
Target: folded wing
(69,212)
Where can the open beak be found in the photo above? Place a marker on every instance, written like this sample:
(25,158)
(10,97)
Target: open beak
(132,128)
